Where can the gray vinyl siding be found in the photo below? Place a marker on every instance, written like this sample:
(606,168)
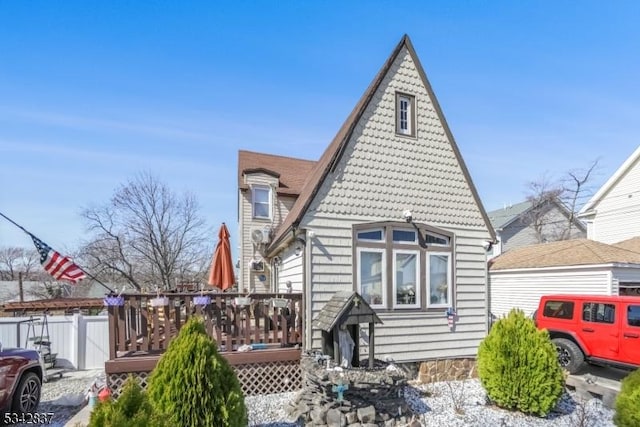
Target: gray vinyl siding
(281,205)
(523,289)
(378,176)
(520,232)
(617,213)
(332,271)
(627,274)
(290,270)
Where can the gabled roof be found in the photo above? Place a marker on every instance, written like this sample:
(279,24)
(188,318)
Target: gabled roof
(632,244)
(622,171)
(332,154)
(291,172)
(500,218)
(564,253)
(339,307)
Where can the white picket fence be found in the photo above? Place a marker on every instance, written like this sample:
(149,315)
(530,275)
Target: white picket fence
(81,342)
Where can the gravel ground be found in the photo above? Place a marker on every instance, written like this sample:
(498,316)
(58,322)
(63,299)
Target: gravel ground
(454,404)
(441,404)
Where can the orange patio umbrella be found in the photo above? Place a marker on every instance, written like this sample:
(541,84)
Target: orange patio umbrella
(222,274)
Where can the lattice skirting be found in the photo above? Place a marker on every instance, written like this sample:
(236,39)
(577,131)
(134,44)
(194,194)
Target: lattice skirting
(255,378)
(116,381)
(269,377)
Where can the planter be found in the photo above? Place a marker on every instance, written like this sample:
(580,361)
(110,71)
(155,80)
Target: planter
(202,300)
(279,302)
(159,302)
(242,300)
(113,301)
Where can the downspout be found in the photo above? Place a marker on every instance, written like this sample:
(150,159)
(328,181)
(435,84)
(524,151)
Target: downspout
(487,291)
(306,280)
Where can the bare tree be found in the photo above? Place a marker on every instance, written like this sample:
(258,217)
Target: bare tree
(146,235)
(575,187)
(543,193)
(9,259)
(569,193)
(15,260)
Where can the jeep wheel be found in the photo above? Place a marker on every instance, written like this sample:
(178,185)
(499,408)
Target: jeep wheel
(570,356)
(27,395)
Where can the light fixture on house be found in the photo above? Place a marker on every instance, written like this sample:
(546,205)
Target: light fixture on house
(300,242)
(408,216)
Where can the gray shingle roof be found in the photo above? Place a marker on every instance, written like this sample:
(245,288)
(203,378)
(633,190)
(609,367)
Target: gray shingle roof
(339,307)
(501,217)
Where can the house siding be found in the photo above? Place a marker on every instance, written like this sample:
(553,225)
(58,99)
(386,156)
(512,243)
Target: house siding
(332,271)
(521,233)
(290,270)
(523,289)
(627,274)
(378,176)
(281,205)
(617,213)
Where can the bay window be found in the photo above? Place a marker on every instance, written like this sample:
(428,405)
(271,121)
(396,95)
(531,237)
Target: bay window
(396,268)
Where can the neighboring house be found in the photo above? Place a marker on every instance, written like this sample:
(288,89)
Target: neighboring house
(518,278)
(613,213)
(268,187)
(391,212)
(526,223)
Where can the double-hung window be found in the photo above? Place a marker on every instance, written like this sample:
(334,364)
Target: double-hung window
(261,201)
(405,114)
(399,268)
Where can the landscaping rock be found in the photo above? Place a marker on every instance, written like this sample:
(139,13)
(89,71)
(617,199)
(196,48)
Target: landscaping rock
(373,396)
(366,415)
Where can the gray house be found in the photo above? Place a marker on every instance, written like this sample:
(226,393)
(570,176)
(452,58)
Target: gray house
(527,223)
(389,211)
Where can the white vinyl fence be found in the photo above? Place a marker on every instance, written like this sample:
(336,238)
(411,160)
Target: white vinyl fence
(81,342)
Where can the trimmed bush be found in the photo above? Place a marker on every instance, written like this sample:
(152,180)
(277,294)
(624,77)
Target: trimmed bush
(628,402)
(132,409)
(518,366)
(193,385)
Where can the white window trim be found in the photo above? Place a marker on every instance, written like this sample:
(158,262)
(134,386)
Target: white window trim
(449,280)
(418,285)
(404,242)
(253,201)
(411,100)
(383,274)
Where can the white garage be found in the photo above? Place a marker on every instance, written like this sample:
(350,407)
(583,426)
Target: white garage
(519,277)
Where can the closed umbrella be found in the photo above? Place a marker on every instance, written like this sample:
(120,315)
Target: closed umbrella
(222,274)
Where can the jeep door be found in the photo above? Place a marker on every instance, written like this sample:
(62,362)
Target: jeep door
(630,339)
(599,329)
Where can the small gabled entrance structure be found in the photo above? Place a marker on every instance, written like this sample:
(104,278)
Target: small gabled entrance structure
(346,310)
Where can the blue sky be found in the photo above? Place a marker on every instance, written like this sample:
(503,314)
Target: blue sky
(92,93)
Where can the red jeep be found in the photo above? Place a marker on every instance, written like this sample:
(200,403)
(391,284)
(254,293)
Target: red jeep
(603,330)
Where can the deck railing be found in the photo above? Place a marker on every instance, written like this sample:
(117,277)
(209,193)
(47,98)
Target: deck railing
(146,324)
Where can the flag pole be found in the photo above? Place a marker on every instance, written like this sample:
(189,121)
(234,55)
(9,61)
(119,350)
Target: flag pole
(31,235)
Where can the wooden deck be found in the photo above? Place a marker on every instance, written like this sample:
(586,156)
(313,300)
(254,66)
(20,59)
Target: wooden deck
(139,327)
(268,329)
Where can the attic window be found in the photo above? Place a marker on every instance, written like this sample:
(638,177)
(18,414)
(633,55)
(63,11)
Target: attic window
(405,114)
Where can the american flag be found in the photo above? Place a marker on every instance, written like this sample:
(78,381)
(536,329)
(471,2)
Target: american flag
(58,266)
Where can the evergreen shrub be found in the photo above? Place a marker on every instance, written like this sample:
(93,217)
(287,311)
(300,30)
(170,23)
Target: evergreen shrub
(628,402)
(132,409)
(518,366)
(193,385)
